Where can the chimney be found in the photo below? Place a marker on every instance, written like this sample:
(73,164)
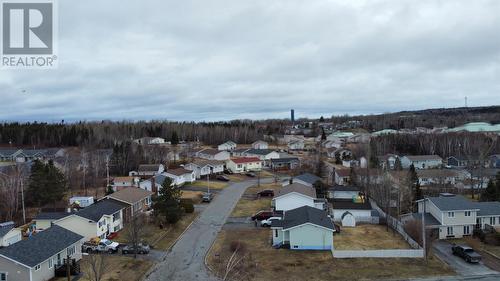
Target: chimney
(153,185)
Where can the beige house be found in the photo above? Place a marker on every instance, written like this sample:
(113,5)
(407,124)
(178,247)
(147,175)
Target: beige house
(244,164)
(137,200)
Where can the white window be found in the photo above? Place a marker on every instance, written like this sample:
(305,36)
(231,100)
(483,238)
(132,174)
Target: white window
(467,213)
(466,230)
(71,250)
(275,233)
(3,276)
(451,214)
(493,220)
(37,267)
(450,231)
(51,263)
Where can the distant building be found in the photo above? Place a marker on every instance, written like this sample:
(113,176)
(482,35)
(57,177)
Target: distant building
(421,161)
(244,164)
(228,145)
(149,140)
(260,145)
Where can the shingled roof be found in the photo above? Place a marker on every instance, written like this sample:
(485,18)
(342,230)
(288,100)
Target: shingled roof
(95,211)
(41,246)
(309,178)
(299,188)
(303,215)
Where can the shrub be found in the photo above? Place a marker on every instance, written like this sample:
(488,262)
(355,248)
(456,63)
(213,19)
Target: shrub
(187,205)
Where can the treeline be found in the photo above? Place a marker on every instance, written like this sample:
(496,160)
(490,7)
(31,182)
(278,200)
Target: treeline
(106,134)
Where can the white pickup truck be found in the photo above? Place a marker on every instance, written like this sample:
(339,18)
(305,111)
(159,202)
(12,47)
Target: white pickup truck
(104,245)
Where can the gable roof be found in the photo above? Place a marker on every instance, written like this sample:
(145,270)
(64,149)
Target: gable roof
(452,203)
(423,157)
(211,151)
(259,151)
(5,227)
(488,208)
(242,160)
(95,211)
(204,162)
(307,177)
(179,172)
(343,172)
(284,160)
(52,215)
(130,195)
(298,188)
(306,214)
(149,167)
(41,246)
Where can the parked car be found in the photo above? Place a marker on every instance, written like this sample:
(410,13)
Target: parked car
(102,245)
(141,249)
(466,253)
(262,215)
(207,197)
(266,193)
(250,174)
(222,178)
(269,221)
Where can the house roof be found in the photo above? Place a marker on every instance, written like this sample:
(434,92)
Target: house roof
(452,203)
(437,173)
(284,160)
(130,195)
(307,177)
(117,179)
(259,141)
(51,215)
(242,160)
(259,151)
(41,246)
(430,220)
(179,171)
(348,204)
(229,143)
(343,172)
(6,227)
(210,151)
(299,188)
(345,188)
(306,214)
(8,152)
(423,157)
(95,211)
(488,208)
(149,167)
(204,162)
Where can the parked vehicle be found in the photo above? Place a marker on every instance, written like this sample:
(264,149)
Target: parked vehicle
(250,174)
(102,245)
(269,221)
(141,249)
(466,253)
(228,172)
(207,197)
(266,193)
(222,178)
(262,215)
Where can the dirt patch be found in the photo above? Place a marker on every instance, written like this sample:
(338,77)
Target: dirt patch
(368,237)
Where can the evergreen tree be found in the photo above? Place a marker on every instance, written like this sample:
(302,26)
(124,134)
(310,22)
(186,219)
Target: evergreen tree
(321,189)
(414,183)
(323,134)
(47,185)
(397,165)
(174,140)
(109,190)
(491,193)
(167,203)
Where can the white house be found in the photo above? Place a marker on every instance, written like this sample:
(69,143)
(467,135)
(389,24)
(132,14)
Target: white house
(260,145)
(149,140)
(244,164)
(203,168)
(213,154)
(228,145)
(387,161)
(9,234)
(304,228)
(120,183)
(296,195)
(342,176)
(262,154)
(441,176)
(149,170)
(296,145)
(97,220)
(421,161)
(352,211)
(180,176)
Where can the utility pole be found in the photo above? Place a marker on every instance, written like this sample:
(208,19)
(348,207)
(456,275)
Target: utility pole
(107,171)
(68,268)
(423,231)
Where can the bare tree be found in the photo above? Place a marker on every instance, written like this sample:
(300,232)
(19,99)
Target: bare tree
(135,231)
(96,266)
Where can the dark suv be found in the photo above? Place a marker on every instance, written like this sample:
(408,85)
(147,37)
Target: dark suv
(266,193)
(466,253)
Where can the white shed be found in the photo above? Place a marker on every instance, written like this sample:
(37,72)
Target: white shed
(348,220)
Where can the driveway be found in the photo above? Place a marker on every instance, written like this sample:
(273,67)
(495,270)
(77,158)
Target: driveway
(443,250)
(186,260)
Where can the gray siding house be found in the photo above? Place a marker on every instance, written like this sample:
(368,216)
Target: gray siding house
(36,258)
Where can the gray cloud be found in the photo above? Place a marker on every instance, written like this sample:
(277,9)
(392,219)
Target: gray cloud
(212,60)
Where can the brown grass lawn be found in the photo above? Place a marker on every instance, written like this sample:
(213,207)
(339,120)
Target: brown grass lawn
(237,177)
(266,263)
(368,237)
(214,184)
(193,195)
(122,268)
(247,207)
(158,238)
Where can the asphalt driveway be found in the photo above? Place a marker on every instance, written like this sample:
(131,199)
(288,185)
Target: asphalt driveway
(186,259)
(443,250)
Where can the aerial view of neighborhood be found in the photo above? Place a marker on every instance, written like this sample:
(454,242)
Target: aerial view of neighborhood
(261,140)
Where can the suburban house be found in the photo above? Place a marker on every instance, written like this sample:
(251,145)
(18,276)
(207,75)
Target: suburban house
(304,228)
(153,184)
(342,176)
(262,154)
(9,234)
(228,145)
(421,161)
(441,176)
(495,161)
(454,216)
(296,195)
(341,153)
(288,163)
(462,162)
(81,201)
(137,200)
(306,179)
(202,167)
(296,145)
(98,220)
(36,258)
(180,176)
(244,164)
(350,206)
(44,220)
(213,154)
(120,183)
(9,155)
(387,161)
(148,170)
(331,144)
(239,152)
(260,145)
(149,140)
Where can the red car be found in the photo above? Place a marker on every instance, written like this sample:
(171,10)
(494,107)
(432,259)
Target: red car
(262,215)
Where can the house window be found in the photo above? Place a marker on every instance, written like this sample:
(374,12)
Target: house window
(451,214)
(116,216)
(450,231)
(239,166)
(100,223)
(466,230)
(295,246)
(3,276)
(275,233)
(71,250)
(51,263)
(37,267)
(493,220)
(467,213)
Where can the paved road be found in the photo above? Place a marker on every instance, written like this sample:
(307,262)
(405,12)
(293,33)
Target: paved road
(493,277)
(443,251)
(186,260)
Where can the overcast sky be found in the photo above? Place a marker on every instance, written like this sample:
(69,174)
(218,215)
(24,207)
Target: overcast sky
(222,60)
